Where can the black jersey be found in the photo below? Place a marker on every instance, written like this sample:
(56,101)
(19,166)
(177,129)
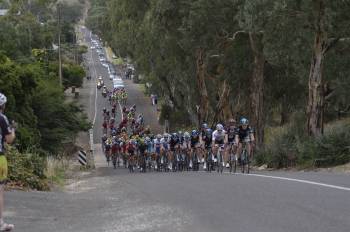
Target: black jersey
(231,134)
(244,134)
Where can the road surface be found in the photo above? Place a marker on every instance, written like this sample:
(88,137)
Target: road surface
(111,200)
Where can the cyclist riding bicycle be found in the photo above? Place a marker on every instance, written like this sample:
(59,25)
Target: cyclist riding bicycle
(219,140)
(206,140)
(231,130)
(195,152)
(157,148)
(244,134)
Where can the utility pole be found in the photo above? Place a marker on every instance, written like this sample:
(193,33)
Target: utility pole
(59,43)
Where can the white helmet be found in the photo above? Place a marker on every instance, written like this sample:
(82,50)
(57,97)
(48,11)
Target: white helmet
(219,127)
(3,99)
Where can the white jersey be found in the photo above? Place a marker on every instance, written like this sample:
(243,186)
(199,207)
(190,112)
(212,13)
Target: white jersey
(219,137)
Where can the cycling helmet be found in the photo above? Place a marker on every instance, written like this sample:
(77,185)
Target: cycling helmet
(244,121)
(232,120)
(194,133)
(180,133)
(147,139)
(219,127)
(159,136)
(187,135)
(104,109)
(166,135)
(174,135)
(204,126)
(3,99)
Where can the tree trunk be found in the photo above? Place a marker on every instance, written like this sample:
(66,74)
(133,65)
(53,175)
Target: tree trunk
(257,87)
(222,103)
(203,98)
(316,96)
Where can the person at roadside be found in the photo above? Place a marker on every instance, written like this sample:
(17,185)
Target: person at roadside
(7,135)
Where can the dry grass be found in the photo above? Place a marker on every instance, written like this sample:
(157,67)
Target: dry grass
(56,170)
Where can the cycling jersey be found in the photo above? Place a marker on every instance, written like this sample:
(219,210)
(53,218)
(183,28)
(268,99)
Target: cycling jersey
(157,145)
(115,148)
(142,148)
(165,143)
(219,137)
(244,134)
(194,141)
(231,134)
(149,147)
(173,143)
(186,143)
(4,130)
(207,139)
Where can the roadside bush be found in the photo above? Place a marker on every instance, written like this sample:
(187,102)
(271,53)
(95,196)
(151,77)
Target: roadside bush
(289,146)
(26,170)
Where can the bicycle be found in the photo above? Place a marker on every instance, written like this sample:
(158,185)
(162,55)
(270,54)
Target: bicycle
(220,159)
(114,160)
(232,159)
(195,159)
(210,160)
(245,162)
(131,162)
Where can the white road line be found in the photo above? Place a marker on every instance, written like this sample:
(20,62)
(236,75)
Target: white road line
(299,180)
(290,179)
(93,65)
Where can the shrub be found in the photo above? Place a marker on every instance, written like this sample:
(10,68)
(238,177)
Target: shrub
(290,143)
(27,170)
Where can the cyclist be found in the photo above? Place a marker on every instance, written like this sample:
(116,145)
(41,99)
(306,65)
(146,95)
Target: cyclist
(115,151)
(108,147)
(165,150)
(244,134)
(149,151)
(157,148)
(219,139)
(131,151)
(104,140)
(195,144)
(174,144)
(231,137)
(142,147)
(186,148)
(206,143)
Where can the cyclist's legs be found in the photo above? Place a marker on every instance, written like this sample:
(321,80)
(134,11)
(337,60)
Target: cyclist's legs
(239,149)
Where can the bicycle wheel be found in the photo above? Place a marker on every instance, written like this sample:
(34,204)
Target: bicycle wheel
(248,164)
(243,160)
(234,164)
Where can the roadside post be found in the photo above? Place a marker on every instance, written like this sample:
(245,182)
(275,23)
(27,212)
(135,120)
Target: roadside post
(91,161)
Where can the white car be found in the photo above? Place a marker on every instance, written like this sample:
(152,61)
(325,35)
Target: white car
(119,86)
(104,64)
(111,76)
(92,47)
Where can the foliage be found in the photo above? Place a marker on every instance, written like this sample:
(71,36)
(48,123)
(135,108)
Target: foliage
(290,142)
(27,170)
(29,75)
(73,75)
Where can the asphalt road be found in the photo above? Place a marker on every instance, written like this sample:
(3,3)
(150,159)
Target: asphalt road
(111,200)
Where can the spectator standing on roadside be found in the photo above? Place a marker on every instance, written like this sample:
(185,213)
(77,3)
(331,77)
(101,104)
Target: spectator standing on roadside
(7,135)
(152,98)
(155,99)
